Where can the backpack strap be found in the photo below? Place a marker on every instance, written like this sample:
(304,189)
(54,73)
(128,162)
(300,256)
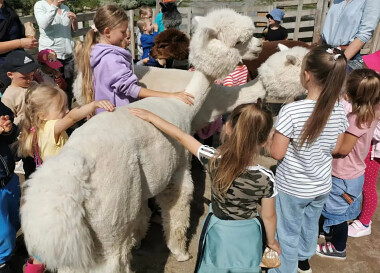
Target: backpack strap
(263,233)
(202,243)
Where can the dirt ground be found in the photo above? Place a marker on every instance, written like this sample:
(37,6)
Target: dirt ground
(363,254)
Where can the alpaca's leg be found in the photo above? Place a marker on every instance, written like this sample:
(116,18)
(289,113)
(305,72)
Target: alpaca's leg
(175,207)
(142,224)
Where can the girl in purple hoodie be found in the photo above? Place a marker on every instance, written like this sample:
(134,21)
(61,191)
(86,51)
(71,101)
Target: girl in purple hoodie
(107,67)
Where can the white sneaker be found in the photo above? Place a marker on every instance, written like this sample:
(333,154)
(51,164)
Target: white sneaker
(19,167)
(357,229)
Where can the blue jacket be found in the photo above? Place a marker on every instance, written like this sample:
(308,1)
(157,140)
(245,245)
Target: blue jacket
(147,42)
(7,161)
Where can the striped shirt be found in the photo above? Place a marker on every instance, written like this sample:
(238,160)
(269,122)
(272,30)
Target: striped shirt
(237,77)
(245,192)
(306,172)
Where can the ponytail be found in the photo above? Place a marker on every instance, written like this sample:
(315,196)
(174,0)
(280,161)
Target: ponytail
(328,68)
(363,90)
(88,92)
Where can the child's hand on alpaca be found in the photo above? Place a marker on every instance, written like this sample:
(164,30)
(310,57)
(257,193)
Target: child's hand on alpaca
(141,113)
(107,105)
(155,27)
(183,96)
(5,124)
(275,246)
(146,60)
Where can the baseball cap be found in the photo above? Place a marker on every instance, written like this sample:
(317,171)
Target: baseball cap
(276,14)
(20,61)
(49,57)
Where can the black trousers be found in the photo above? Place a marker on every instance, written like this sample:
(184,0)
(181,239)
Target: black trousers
(68,73)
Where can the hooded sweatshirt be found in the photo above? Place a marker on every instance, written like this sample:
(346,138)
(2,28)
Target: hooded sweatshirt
(113,77)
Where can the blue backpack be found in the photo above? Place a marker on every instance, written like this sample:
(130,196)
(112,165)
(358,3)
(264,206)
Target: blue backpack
(229,246)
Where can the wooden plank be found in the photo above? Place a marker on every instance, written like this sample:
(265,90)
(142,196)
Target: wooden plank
(294,3)
(375,45)
(318,21)
(298,20)
(133,42)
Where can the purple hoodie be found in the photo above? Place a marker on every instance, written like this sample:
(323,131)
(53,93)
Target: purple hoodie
(113,77)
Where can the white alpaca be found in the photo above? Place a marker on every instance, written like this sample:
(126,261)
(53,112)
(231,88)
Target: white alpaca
(85,209)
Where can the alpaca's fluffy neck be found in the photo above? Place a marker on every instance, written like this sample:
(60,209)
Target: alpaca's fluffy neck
(199,86)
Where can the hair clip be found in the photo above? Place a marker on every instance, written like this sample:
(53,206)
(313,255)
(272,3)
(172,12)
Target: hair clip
(33,129)
(336,56)
(94,28)
(330,50)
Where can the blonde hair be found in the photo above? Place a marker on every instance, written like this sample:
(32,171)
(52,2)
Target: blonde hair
(250,127)
(143,23)
(145,10)
(329,71)
(109,16)
(37,103)
(363,90)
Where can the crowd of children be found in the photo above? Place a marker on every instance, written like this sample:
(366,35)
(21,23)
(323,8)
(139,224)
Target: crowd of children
(323,146)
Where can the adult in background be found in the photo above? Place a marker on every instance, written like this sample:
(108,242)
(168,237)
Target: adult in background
(12,37)
(55,21)
(349,24)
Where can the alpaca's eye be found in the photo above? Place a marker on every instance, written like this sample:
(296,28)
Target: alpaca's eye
(238,43)
(162,45)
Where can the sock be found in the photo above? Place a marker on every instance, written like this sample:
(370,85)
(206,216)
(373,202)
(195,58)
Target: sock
(304,265)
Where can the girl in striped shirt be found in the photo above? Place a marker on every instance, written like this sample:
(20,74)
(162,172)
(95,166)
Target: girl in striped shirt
(307,133)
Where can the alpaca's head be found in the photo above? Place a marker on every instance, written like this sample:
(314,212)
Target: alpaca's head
(221,40)
(280,73)
(171,44)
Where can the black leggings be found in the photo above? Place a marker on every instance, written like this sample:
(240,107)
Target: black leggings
(339,236)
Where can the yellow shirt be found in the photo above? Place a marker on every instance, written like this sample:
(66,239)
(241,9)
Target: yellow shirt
(46,140)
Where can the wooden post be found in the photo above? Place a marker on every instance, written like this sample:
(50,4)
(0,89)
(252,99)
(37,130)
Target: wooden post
(318,21)
(375,40)
(298,20)
(158,7)
(132,46)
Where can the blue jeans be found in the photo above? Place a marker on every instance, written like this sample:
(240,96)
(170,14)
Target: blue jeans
(9,217)
(336,209)
(297,229)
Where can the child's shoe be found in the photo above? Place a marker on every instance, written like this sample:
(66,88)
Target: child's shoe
(328,251)
(34,268)
(357,229)
(304,267)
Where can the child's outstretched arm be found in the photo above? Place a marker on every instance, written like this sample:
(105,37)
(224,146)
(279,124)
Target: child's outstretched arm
(268,214)
(183,96)
(78,114)
(185,139)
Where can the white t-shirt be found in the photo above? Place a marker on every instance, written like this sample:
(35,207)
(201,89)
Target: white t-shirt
(306,172)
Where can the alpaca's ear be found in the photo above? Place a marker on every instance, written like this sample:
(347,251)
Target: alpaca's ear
(197,20)
(282,47)
(290,60)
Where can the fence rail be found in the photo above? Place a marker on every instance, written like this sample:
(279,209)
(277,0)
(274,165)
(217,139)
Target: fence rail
(303,19)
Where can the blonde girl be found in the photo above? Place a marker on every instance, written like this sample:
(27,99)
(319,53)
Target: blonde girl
(343,204)
(43,132)
(108,68)
(307,133)
(239,184)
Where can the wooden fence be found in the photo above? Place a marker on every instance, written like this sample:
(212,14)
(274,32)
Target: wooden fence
(303,19)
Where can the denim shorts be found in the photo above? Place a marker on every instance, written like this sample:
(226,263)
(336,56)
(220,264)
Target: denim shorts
(337,210)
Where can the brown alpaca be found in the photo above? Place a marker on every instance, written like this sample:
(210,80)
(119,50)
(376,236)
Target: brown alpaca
(171,44)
